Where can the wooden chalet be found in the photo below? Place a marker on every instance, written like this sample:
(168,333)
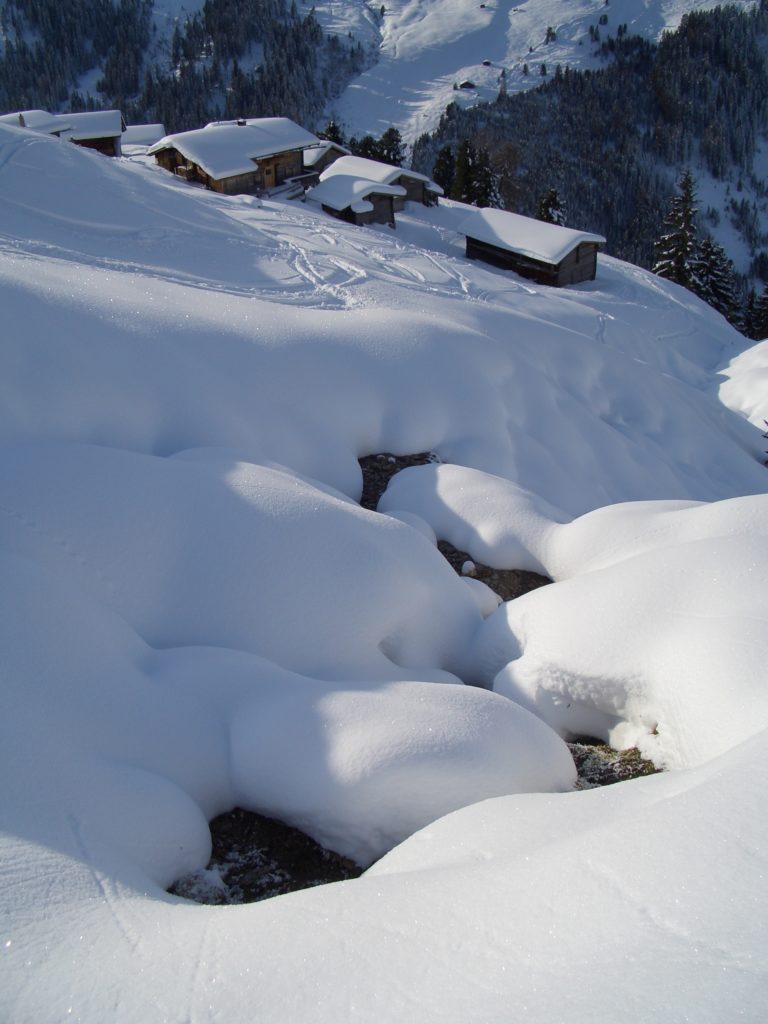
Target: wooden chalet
(356,200)
(545,253)
(417,188)
(231,157)
(101,130)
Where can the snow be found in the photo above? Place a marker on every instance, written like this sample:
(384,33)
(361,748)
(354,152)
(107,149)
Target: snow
(549,243)
(143,134)
(427,47)
(314,156)
(37,120)
(348,181)
(196,613)
(227,148)
(746,386)
(343,191)
(369,170)
(92,124)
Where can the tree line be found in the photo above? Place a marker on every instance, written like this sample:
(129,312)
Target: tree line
(49,45)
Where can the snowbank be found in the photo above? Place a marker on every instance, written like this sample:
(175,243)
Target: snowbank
(195,613)
(655,634)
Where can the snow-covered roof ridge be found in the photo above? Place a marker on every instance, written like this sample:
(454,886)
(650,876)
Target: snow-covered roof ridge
(346,190)
(92,124)
(375,170)
(316,153)
(535,238)
(37,120)
(226,148)
(143,134)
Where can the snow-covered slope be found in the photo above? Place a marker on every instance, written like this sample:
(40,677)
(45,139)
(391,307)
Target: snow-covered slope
(428,46)
(196,613)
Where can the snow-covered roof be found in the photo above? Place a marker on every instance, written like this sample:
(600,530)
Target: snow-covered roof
(143,134)
(346,190)
(316,153)
(226,148)
(549,243)
(374,170)
(92,124)
(37,120)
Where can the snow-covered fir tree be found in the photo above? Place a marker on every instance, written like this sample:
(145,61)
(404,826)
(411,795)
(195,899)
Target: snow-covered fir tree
(391,147)
(716,279)
(474,179)
(551,207)
(677,249)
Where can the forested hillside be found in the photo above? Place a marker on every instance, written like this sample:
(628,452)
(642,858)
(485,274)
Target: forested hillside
(260,57)
(612,142)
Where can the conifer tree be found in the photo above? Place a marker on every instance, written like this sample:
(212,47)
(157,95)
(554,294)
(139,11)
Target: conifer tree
(715,278)
(474,181)
(391,148)
(551,207)
(463,176)
(444,169)
(368,147)
(761,316)
(484,190)
(332,133)
(748,319)
(676,250)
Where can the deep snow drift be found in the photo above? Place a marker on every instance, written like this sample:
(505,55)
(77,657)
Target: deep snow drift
(196,613)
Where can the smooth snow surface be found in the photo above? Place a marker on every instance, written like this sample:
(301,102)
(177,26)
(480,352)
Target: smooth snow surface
(92,124)
(196,613)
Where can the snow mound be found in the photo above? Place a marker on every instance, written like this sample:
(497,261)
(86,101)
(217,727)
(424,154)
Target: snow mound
(194,613)
(657,642)
(236,555)
(377,765)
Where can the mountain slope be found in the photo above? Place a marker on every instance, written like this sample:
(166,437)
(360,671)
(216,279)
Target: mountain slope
(428,46)
(196,613)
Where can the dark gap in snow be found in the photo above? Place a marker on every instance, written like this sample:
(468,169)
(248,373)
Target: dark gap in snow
(379,469)
(507,583)
(598,764)
(255,857)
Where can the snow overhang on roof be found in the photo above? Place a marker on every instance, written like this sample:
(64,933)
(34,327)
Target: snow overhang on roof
(37,121)
(143,134)
(316,153)
(374,170)
(92,124)
(226,148)
(344,190)
(548,243)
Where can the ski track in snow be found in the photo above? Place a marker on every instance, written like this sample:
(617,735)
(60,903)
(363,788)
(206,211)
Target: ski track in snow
(565,417)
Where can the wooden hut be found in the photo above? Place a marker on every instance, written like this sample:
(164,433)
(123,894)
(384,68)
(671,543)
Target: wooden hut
(101,130)
(545,253)
(231,157)
(357,200)
(417,188)
(319,157)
